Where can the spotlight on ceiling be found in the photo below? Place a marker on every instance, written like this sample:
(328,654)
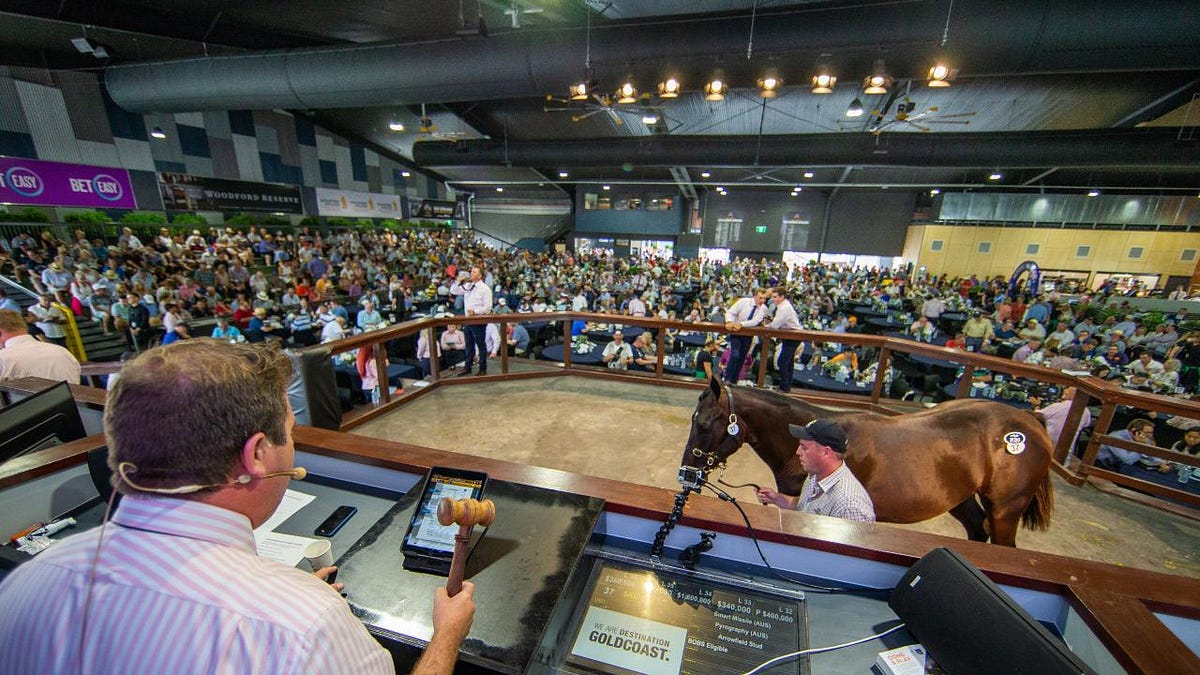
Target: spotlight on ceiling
(499,189)
(940,75)
(405,174)
(715,89)
(996,175)
(578,91)
(878,81)
(158,133)
(855,109)
(649,119)
(607,187)
(934,192)
(627,93)
(668,88)
(563,174)
(798,189)
(396,125)
(705,174)
(808,174)
(1093,192)
(768,85)
(822,83)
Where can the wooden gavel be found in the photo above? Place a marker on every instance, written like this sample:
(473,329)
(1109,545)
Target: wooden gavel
(467,513)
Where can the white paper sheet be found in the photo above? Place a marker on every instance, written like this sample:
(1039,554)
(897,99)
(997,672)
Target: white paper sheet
(285,548)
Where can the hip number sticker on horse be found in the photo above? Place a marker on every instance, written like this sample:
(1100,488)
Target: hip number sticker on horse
(1014,442)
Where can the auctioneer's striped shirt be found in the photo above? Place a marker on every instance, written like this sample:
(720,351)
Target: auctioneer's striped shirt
(179,589)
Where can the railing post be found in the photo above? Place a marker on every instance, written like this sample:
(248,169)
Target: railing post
(435,357)
(381,372)
(660,341)
(881,368)
(503,347)
(1107,411)
(1065,445)
(567,342)
(763,359)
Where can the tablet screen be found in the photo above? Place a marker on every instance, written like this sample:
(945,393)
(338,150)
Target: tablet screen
(425,532)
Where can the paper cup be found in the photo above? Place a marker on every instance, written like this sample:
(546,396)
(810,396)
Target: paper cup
(319,554)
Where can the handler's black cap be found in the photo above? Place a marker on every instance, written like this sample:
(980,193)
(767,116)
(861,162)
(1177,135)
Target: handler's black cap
(825,431)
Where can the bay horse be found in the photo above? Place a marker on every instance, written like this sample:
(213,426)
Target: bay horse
(952,458)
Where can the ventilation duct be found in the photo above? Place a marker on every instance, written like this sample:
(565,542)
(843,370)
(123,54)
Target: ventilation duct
(989,38)
(1098,148)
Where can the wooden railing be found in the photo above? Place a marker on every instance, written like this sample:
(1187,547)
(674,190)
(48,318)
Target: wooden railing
(1106,394)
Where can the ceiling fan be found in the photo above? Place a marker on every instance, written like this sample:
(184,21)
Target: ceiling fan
(428,129)
(906,117)
(596,104)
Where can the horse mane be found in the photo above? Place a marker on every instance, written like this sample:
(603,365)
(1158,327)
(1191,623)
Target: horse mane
(783,403)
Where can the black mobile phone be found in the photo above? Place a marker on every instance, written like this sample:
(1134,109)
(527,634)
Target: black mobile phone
(429,545)
(335,521)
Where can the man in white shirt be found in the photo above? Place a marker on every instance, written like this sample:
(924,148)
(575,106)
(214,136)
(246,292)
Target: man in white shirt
(477,301)
(51,320)
(785,319)
(23,356)
(617,354)
(636,306)
(177,563)
(933,308)
(745,313)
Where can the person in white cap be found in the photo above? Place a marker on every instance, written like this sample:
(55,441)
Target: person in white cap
(830,489)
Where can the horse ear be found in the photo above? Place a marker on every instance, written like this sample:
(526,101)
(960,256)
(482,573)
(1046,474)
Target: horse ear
(715,385)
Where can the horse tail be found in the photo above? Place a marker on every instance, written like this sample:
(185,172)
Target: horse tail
(1037,513)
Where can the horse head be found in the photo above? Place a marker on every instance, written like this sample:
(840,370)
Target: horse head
(716,432)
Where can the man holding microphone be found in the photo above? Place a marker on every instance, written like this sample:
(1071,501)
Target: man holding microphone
(477,300)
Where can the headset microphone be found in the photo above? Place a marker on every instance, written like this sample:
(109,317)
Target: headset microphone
(124,469)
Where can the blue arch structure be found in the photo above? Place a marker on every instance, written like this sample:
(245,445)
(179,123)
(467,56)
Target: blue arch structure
(1035,278)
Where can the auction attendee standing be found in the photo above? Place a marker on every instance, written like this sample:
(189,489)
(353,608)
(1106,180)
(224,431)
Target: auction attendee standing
(744,313)
(50,320)
(477,300)
(785,319)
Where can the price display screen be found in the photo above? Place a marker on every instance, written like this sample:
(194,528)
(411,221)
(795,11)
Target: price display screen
(648,621)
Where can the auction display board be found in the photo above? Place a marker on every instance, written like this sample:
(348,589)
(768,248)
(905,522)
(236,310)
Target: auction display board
(652,621)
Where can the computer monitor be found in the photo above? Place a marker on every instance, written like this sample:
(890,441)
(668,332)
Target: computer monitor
(45,419)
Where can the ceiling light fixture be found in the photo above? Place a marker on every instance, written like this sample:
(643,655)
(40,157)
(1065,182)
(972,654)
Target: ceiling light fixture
(715,89)
(405,174)
(578,91)
(822,83)
(563,174)
(797,189)
(934,192)
(499,189)
(768,85)
(668,88)
(627,93)
(705,174)
(940,75)
(1093,192)
(996,175)
(158,133)
(808,174)
(396,125)
(607,187)
(878,81)
(649,119)
(855,109)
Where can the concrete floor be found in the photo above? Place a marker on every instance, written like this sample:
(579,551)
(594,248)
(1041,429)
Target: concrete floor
(636,433)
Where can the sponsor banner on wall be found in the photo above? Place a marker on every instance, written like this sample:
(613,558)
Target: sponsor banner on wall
(358,204)
(32,181)
(184,192)
(438,209)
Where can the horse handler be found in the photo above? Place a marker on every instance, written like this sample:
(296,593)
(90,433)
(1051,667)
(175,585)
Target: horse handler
(830,489)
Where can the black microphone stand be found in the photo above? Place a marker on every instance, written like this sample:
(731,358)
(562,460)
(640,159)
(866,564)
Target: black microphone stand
(660,539)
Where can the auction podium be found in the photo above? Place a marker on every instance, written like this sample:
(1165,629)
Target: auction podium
(553,595)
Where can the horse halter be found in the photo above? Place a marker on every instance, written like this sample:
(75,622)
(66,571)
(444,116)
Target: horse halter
(714,459)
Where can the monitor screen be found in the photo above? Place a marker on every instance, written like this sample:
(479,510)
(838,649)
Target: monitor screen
(45,419)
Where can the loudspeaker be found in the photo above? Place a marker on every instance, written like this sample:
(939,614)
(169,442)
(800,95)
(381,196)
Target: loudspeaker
(969,625)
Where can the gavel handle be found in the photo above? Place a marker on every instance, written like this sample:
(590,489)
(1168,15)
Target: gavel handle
(458,564)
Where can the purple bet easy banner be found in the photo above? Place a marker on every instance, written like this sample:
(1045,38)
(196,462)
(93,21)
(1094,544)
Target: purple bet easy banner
(32,181)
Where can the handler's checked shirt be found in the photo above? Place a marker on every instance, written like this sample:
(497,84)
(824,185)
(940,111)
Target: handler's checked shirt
(839,495)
